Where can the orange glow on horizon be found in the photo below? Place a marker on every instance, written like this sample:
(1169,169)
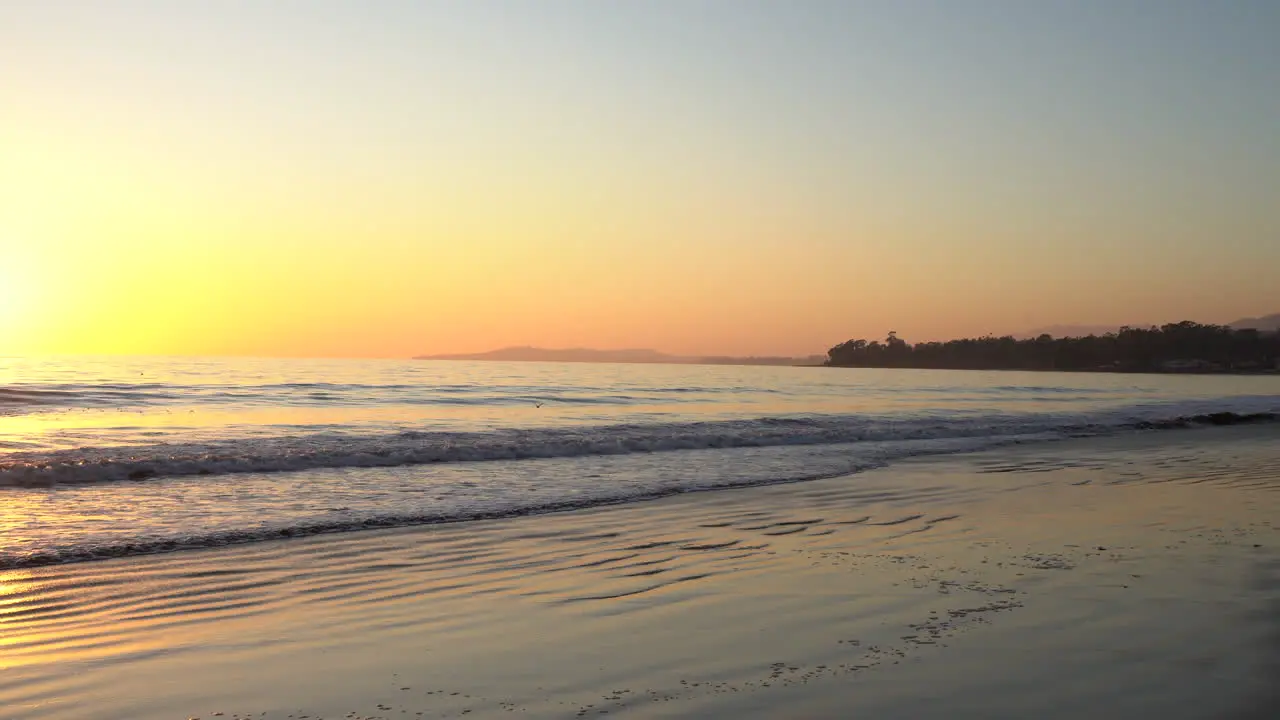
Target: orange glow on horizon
(189,180)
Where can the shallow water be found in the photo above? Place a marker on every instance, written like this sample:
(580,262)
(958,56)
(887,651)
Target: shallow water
(1106,577)
(117,456)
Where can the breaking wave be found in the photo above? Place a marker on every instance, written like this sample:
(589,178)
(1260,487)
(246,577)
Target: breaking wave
(91,465)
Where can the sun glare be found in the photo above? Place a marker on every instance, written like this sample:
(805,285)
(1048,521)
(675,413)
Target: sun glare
(13,300)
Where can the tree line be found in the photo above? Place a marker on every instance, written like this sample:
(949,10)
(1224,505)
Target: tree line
(1185,346)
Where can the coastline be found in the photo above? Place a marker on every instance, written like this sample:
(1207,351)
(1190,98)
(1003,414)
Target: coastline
(1120,576)
(1113,371)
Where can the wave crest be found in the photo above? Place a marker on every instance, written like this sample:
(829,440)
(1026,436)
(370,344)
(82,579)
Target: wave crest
(316,451)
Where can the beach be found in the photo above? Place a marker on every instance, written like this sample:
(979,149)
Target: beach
(1126,576)
(730,360)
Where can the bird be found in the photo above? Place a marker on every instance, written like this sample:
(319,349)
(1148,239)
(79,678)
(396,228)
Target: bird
(537,404)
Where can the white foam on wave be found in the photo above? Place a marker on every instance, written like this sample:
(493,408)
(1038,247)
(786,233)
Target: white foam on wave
(183,513)
(335,450)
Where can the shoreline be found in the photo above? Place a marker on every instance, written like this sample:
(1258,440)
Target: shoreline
(234,538)
(1121,576)
(1112,371)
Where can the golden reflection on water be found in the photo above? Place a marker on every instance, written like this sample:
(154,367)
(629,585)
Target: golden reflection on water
(85,427)
(18,590)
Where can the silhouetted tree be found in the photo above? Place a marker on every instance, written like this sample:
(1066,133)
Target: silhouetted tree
(1183,346)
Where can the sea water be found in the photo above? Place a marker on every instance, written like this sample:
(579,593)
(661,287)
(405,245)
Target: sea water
(103,457)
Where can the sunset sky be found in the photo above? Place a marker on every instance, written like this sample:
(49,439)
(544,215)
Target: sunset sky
(737,177)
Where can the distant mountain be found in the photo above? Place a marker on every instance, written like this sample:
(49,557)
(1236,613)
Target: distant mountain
(1266,323)
(760,360)
(533,354)
(590,355)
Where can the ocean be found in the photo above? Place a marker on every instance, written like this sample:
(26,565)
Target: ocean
(110,457)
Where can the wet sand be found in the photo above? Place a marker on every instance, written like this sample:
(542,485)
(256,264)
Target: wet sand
(1126,577)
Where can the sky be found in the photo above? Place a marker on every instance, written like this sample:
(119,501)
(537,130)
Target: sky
(390,178)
